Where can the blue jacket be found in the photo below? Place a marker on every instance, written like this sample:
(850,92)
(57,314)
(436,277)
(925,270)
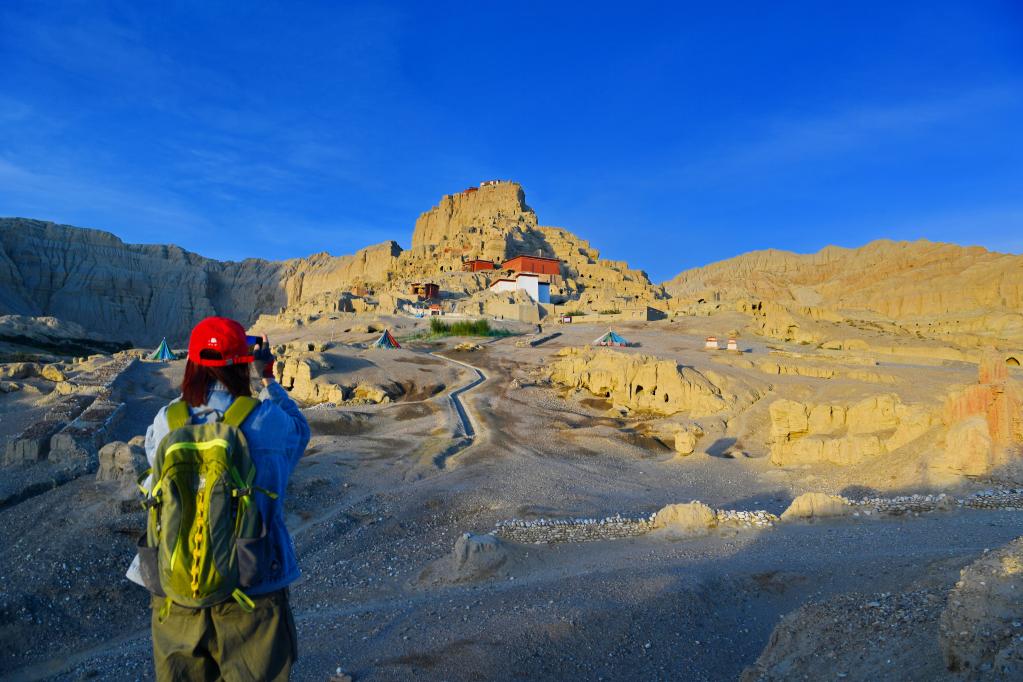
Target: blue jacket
(277,433)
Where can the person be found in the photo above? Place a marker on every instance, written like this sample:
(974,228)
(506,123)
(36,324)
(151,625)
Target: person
(230,640)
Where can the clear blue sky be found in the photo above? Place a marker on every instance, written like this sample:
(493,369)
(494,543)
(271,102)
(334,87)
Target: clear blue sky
(670,135)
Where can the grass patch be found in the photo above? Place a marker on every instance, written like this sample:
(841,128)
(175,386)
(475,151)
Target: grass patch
(465,328)
(440,328)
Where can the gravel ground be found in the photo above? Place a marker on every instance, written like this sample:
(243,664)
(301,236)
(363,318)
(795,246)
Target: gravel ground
(370,512)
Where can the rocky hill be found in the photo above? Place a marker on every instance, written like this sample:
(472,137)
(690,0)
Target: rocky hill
(965,296)
(125,291)
(894,279)
(962,294)
(144,292)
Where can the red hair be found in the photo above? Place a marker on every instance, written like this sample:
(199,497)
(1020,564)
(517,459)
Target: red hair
(199,379)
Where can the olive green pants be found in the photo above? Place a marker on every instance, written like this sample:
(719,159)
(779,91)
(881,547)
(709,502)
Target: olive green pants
(224,642)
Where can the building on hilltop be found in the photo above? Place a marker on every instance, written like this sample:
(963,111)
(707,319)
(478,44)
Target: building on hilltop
(536,289)
(538,265)
(424,290)
(478,265)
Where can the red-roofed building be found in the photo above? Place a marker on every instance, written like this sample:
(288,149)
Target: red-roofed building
(538,265)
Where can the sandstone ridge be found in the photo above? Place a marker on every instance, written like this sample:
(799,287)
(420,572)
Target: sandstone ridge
(142,293)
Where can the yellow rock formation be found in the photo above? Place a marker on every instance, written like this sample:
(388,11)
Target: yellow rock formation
(844,434)
(816,505)
(693,518)
(640,382)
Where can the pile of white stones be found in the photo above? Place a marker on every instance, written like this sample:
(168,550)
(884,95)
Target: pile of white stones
(747,519)
(1009,498)
(572,530)
(618,526)
(903,504)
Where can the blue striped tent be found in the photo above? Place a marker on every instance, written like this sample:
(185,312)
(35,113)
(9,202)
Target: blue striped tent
(611,339)
(163,352)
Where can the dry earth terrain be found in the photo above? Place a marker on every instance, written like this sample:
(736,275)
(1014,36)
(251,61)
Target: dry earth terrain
(838,496)
(379,505)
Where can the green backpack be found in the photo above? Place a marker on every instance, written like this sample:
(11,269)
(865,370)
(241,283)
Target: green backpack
(204,538)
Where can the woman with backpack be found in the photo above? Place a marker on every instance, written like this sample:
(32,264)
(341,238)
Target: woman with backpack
(217,554)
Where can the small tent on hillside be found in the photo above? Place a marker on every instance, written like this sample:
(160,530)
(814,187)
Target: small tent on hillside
(386,341)
(163,352)
(611,339)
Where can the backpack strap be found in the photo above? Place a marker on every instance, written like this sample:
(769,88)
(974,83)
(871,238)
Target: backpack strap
(178,415)
(239,410)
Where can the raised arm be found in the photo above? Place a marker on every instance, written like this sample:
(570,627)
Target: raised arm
(298,437)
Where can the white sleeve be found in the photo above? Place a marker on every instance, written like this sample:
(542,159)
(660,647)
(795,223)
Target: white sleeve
(154,434)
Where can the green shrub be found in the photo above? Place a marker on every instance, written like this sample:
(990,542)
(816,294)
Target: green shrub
(439,327)
(611,311)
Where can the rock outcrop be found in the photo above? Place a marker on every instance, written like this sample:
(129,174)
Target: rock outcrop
(965,295)
(692,518)
(640,382)
(844,434)
(122,462)
(686,438)
(473,558)
(980,631)
(816,506)
(142,293)
(985,423)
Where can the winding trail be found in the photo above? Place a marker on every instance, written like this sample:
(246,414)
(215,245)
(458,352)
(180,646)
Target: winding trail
(470,425)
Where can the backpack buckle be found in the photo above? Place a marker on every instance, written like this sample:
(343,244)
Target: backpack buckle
(241,492)
(150,502)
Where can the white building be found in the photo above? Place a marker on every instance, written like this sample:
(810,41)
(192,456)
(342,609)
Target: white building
(733,344)
(536,289)
(712,343)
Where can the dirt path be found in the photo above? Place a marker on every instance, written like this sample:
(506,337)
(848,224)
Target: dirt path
(470,424)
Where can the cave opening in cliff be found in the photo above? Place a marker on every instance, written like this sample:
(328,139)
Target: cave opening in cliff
(1012,362)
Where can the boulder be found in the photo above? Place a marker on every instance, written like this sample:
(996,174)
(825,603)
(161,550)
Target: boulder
(124,462)
(816,506)
(18,370)
(686,439)
(52,373)
(979,632)
(693,518)
(474,557)
(373,393)
(65,388)
(9,386)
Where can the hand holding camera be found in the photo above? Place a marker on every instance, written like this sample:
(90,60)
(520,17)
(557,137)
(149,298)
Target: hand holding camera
(262,357)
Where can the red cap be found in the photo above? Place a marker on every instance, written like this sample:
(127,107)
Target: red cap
(222,335)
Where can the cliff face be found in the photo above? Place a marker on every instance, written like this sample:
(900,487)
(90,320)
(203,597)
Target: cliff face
(494,223)
(142,292)
(966,296)
(492,210)
(898,280)
(125,291)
